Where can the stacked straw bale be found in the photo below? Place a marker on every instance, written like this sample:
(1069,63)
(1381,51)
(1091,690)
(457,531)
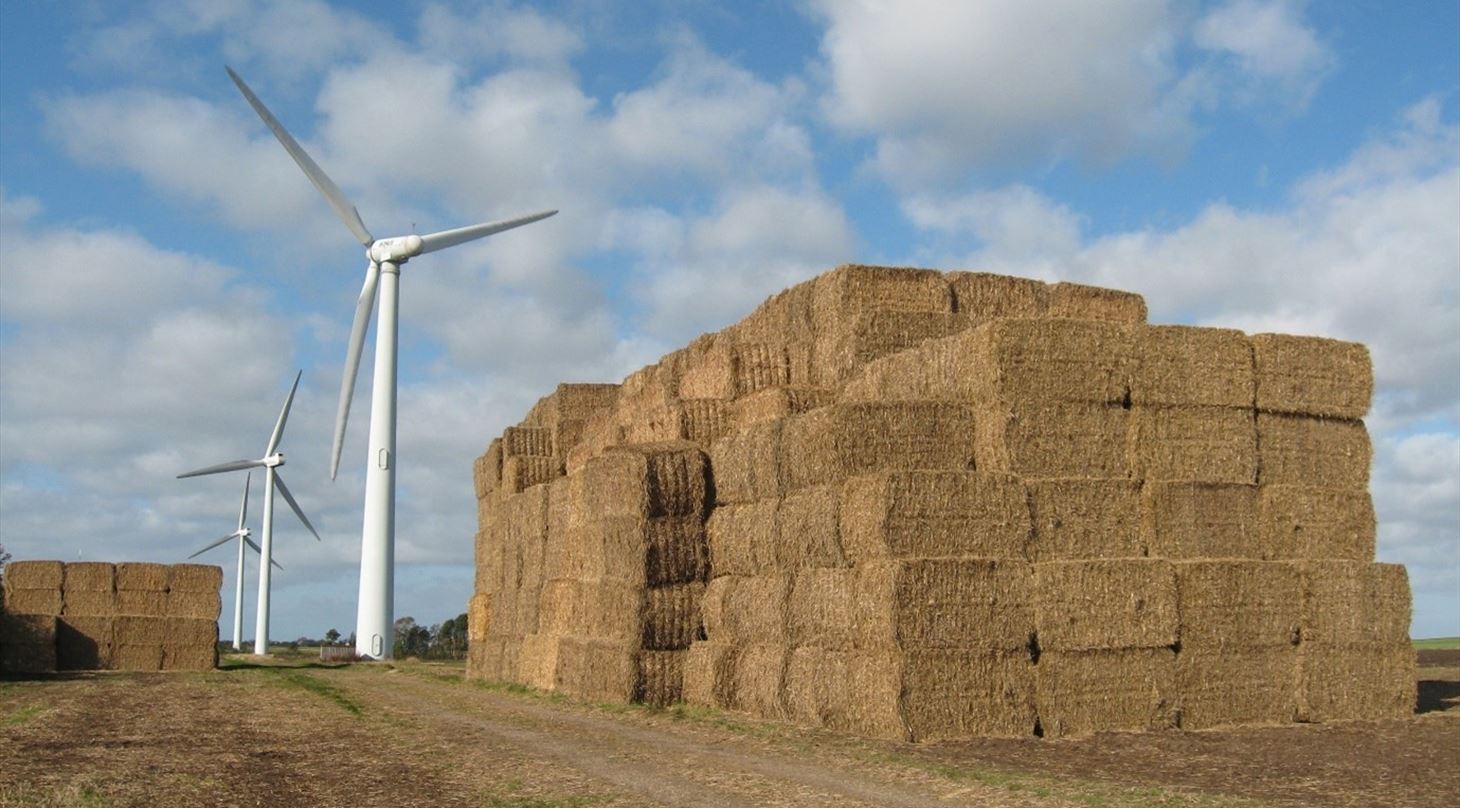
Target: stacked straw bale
(916,505)
(100,616)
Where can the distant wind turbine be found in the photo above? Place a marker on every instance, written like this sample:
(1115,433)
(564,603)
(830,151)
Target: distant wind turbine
(270,462)
(376,615)
(242,534)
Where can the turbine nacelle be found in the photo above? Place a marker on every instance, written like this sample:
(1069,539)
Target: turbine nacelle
(395,250)
(273,461)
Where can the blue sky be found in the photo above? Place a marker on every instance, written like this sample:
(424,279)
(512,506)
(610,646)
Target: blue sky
(164,267)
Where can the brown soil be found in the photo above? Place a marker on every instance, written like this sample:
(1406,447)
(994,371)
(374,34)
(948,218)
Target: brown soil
(418,734)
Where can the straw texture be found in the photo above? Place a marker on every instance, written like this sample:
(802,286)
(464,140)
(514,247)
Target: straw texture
(1312,376)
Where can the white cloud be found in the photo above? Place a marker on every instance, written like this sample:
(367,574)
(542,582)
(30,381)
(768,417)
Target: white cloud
(496,30)
(1275,54)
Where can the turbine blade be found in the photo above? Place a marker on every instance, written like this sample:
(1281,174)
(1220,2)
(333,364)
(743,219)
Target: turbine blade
(461,235)
(326,186)
(283,417)
(243,509)
(214,544)
(275,563)
(260,551)
(289,498)
(364,307)
(236,465)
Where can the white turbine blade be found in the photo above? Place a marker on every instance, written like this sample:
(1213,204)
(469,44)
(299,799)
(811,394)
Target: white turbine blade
(260,551)
(326,186)
(283,417)
(451,238)
(214,544)
(243,509)
(236,465)
(363,309)
(289,498)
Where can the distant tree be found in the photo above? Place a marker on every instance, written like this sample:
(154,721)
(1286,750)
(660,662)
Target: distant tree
(411,639)
(332,636)
(4,559)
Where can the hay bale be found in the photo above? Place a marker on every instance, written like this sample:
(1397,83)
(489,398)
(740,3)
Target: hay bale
(1209,444)
(1076,518)
(1236,686)
(943,603)
(1051,360)
(1121,603)
(709,674)
(931,696)
(487,553)
(1201,520)
(141,576)
(743,538)
(90,603)
(137,656)
(747,464)
(840,295)
(706,421)
(34,575)
(28,658)
(141,602)
(1338,683)
(495,658)
(1354,604)
(190,657)
(486,470)
(591,608)
(648,480)
(927,514)
(875,334)
(84,643)
(934,370)
(520,472)
(19,629)
(1080,692)
(818,687)
(1246,605)
(786,312)
(1080,302)
(676,551)
(32,601)
(200,605)
(759,680)
(1181,366)
(808,527)
(1312,376)
(89,576)
(1058,439)
(743,610)
(1297,450)
(660,677)
(478,617)
(597,670)
(194,578)
(821,608)
(1303,521)
(833,443)
(760,365)
(524,440)
(709,372)
(537,661)
(671,617)
(981,296)
(775,403)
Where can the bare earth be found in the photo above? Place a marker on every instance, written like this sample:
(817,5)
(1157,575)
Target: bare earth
(418,734)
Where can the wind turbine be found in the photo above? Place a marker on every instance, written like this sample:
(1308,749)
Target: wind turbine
(242,534)
(270,463)
(376,616)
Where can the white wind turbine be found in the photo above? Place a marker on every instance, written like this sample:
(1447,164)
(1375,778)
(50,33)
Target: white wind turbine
(242,534)
(376,616)
(270,463)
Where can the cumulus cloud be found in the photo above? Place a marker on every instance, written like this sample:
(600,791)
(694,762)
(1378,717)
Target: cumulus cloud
(1272,51)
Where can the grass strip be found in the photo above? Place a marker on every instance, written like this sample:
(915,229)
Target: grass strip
(300,680)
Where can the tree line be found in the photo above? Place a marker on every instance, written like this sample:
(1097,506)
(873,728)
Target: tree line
(444,640)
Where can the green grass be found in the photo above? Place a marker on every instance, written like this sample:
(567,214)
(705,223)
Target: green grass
(72,796)
(23,715)
(298,679)
(1438,643)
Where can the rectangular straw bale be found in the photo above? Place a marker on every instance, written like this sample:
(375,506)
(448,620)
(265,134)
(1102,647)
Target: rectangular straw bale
(808,524)
(1302,521)
(709,674)
(671,617)
(746,464)
(931,696)
(660,678)
(840,295)
(1052,439)
(1081,518)
(1081,302)
(190,657)
(650,480)
(1313,376)
(609,609)
(1120,603)
(1052,360)
(201,605)
(1355,603)
(1201,520)
(89,603)
(1080,692)
(1236,686)
(981,296)
(599,432)
(710,370)
(833,443)
(494,658)
(537,661)
(141,576)
(1337,683)
(17,629)
(788,311)
(28,658)
(137,656)
(1296,450)
(194,578)
(876,334)
(478,617)
(89,576)
(759,678)
(520,440)
(821,608)
(775,403)
(743,610)
(579,401)
(762,365)
(1182,365)
(742,538)
(1209,444)
(488,559)
(84,643)
(34,574)
(1245,605)
(33,601)
(927,514)
(817,685)
(520,472)
(706,420)
(486,469)
(943,603)
(676,551)
(597,670)
(141,602)
(933,370)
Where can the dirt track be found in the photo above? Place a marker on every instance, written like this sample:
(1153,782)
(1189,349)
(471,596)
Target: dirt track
(418,734)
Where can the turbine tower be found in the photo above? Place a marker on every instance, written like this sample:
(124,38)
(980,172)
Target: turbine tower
(242,534)
(376,616)
(270,462)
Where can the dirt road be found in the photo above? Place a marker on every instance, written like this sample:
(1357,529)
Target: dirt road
(418,734)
